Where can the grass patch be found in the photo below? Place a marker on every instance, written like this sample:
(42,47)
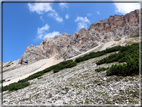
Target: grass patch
(10,63)
(134,34)
(130,43)
(117,39)
(108,102)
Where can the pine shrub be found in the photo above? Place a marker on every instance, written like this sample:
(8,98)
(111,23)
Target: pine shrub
(16,86)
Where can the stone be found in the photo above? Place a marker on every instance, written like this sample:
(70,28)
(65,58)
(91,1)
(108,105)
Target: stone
(59,102)
(104,78)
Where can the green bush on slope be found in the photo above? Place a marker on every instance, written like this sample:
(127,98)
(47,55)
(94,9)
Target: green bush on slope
(101,69)
(97,54)
(16,86)
(23,83)
(128,54)
(63,65)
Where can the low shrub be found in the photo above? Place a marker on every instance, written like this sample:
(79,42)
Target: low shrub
(1,81)
(72,64)
(16,86)
(97,54)
(56,70)
(63,65)
(101,69)
(121,56)
(128,54)
(117,39)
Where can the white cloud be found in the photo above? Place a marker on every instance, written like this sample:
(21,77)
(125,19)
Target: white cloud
(81,25)
(41,18)
(42,32)
(98,12)
(126,7)
(55,16)
(52,34)
(83,19)
(89,14)
(66,16)
(63,5)
(82,22)
(43,29)
(40,7)
(40,36)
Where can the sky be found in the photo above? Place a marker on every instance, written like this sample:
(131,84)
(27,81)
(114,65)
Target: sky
(26,24)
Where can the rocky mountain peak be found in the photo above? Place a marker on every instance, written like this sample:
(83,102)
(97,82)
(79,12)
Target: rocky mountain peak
(115,21)
(66,46)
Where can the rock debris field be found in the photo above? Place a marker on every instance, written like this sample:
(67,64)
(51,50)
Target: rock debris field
(80,85)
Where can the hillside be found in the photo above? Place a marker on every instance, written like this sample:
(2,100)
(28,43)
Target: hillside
(81,84)
(67,69)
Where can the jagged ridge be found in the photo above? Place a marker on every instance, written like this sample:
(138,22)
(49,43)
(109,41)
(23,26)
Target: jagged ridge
(66,46)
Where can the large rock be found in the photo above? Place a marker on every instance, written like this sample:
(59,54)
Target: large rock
(66,46)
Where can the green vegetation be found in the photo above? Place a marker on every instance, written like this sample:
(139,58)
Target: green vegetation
(117,39)
(23,83)
(97,54)
(130,43)
(15,86)
(63,65)
(8,64)
(135,34)
(122,55)
(1,81)
(101,69)
(128,54)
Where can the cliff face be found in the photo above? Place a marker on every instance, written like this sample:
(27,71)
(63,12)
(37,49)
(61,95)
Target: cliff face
(66,46)
(116,21)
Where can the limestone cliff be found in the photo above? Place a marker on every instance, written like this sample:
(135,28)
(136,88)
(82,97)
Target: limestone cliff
(66,46)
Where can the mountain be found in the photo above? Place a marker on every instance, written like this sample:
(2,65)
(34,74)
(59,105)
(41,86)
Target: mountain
(67,46)
(130,19)
(78,85)
(81,83)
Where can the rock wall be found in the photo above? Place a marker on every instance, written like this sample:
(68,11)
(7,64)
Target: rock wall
(115,21)
(66,46)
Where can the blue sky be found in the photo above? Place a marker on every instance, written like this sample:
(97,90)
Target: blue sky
(29,23)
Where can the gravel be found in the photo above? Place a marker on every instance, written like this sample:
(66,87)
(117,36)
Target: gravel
(80,85)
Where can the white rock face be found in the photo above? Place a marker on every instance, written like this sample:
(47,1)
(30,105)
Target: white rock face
(102,31)
(27,70)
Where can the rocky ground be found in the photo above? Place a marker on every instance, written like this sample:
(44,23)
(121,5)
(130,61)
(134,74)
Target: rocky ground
(80,85)
(24,71)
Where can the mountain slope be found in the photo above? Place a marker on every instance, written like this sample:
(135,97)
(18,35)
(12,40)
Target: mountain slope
(25,70)
(66,46)
(78,85)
